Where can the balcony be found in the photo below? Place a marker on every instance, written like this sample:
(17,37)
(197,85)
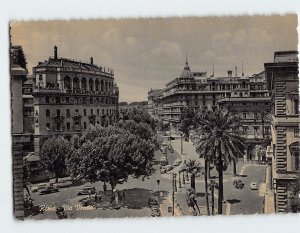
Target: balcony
(77,128)
(58,119)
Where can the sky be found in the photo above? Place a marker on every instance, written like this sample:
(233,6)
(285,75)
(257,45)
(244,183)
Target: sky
(147,53)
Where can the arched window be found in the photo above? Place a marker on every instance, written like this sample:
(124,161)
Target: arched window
(102,85)
(97,85)
(91,84)
(67,83)
(76,84)
(83,84)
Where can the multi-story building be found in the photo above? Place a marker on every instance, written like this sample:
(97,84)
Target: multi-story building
(248,96)
(69,95)
(155,107)
(283,82)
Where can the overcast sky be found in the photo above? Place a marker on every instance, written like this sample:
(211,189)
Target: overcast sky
(147,53)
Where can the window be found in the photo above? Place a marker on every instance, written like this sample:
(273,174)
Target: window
(97,122)
(92,111)
(91,100)
(40,77)
(47,112)
(57,100)
(68,112)
(68,100)
(48,126)
(296,133)
(296,106)
(98,112)
(68,126)
(244,115)
(84,125)
(47,100)
(102,111)
(84,112)
(57,112)
(255,115)
(76,111)
(245,129)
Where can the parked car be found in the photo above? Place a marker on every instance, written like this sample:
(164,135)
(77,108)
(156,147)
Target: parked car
(38,187)
(253,186)
(87,190)
(177,162)
(48,189)
(169,167)
(63,184)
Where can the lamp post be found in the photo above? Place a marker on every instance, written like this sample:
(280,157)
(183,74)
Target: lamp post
(173,193)
(170,134)
(175,182)
(181,144)
(158,194)
(179,180)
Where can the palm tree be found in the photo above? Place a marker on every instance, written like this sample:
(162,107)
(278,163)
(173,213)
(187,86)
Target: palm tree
(220,143)
(193,167)
(207,169)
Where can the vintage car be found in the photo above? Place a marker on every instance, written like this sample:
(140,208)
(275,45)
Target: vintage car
(48,189)
(87,190)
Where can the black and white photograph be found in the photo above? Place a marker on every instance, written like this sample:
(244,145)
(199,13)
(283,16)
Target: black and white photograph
(192,116)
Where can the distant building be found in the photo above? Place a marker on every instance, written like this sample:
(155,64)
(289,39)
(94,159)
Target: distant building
(69,95)
(155,106)
(283,83)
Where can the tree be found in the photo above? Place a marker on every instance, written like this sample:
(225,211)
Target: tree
(139,116)
(111,155)
(187,121)
(53,155)
(206,185)
(193,167)
(220,142)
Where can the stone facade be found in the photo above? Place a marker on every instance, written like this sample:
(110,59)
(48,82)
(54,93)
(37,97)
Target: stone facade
(283,83)
(69,95)
(247,96)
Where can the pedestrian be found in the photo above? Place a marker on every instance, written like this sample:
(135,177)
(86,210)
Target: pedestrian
(96,197)
(104,187)
(99,197)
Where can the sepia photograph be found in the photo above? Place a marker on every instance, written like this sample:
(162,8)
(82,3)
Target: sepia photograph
(155,117)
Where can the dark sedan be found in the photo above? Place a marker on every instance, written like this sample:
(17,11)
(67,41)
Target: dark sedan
(48,190)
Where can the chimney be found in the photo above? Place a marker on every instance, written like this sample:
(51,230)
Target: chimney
(55,52)
(92,61)
(236,71)
(229,73)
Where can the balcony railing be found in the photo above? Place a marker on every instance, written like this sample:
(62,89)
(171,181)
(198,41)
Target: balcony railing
(77,128)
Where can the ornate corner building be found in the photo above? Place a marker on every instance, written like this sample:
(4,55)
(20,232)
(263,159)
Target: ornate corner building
(69,95)
(283,82)
(247,96)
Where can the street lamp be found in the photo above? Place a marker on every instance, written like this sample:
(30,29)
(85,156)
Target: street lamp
(181,143)
(179,179)
(175,182)
(158,181)
(173,192)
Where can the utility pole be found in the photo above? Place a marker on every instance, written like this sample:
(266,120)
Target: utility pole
(179,180)
(181,145)
(173,193)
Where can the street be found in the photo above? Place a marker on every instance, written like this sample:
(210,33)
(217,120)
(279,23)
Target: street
(138,191)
